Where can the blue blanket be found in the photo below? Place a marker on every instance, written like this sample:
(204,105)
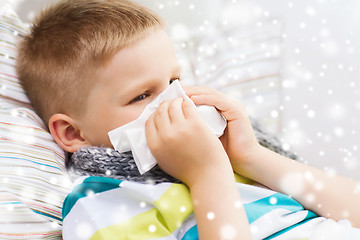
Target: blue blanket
(106,208)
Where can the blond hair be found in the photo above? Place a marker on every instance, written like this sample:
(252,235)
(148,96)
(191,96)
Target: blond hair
(59,59)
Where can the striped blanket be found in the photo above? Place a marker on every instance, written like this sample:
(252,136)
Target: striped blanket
(106,208)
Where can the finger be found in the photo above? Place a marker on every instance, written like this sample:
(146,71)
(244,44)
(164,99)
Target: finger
(205,96)
(176,113)
(230,108)
(189,109)
(151,130)
(195,90)
(220,102)
(161,116)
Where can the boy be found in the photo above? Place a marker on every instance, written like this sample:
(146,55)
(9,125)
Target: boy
(91,66)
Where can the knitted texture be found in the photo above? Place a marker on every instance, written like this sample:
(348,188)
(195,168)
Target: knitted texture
(107,162)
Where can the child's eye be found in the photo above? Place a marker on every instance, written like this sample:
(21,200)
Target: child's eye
(139,98)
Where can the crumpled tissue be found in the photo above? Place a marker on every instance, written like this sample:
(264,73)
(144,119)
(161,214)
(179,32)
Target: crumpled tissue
(131,136)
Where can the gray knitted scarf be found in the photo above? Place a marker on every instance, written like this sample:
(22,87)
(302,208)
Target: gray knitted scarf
(107,162)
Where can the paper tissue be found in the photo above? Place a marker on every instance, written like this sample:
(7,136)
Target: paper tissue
(131,136)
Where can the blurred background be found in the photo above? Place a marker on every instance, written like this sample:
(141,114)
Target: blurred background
(295,64)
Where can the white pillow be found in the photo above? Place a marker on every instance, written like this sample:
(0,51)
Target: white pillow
(243,61)
(33,182)
(11,30)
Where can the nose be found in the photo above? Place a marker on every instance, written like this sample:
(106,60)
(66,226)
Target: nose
(164,85)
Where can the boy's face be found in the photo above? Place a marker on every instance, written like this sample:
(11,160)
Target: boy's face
(133,78)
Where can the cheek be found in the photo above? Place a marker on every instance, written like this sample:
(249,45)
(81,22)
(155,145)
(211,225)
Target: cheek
(98,126)
(124,117)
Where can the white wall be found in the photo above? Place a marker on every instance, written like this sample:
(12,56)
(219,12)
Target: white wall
(321,74)
(322,81)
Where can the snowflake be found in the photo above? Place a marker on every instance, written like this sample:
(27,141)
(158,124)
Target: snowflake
(292,184)
(319,186)
(311,113)
(210,215)
(83,230)
(309,198)
(273,200)
(142,204)
(228,232)
(310,11)
(152,228)
(238,204)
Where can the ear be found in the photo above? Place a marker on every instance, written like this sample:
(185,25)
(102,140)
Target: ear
(66,133)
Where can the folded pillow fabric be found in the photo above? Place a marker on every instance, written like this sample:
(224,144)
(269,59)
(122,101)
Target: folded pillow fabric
(11,30)
(33,182)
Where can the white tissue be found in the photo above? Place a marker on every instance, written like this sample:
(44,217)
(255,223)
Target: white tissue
(131,136)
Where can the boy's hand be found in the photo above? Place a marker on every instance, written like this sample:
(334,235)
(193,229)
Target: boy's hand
(182,143)
(277,172)
(238,140)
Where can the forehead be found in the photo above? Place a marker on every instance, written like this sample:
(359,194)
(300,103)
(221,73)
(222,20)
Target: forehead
(152,57)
